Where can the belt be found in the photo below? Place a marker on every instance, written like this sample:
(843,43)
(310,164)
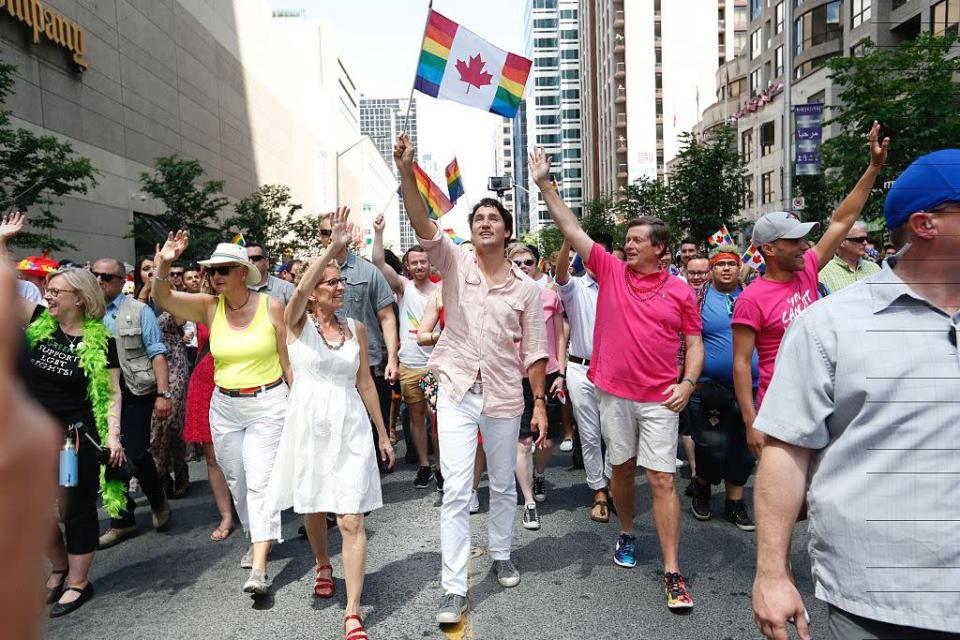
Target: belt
(584,361)
(251,392)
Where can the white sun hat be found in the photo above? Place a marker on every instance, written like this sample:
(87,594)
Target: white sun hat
(228,253)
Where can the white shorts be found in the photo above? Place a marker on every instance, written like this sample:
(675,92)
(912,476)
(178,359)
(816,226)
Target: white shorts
(647,431)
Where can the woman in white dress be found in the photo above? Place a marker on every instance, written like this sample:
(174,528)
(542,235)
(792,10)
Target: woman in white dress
(326,462)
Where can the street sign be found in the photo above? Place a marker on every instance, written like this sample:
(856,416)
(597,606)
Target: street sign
(799,203)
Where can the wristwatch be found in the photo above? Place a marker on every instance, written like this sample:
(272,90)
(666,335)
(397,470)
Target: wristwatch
(165,394)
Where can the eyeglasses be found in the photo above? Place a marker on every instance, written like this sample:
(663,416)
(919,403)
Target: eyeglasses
(222,270)
(106,277)
(55,293)
(332,282)
(861,239)
(726,263)
(326,233)
(528,262)
(257,258)
(702,274)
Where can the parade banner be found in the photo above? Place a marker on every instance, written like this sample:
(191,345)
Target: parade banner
(809,134)
(457,64)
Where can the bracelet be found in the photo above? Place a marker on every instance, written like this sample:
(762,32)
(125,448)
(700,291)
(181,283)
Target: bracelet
(540,397)
(158,278)
(692,383)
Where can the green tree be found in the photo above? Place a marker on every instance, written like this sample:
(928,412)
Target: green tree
(268,216)
(36,172)
(909,89)
(190,202)
(706,185)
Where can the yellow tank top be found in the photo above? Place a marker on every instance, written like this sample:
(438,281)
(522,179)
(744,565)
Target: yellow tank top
(247,357)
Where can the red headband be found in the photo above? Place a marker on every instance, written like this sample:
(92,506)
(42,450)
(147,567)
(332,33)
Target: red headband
(724,256)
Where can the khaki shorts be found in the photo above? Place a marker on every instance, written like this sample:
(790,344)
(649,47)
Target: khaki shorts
(410,389)
(647,431)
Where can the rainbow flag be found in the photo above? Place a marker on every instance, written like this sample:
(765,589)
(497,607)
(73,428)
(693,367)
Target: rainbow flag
(752,256)
(437,203)
(453,236)
(457,64)
(238,239)
(454,182)
(720,236)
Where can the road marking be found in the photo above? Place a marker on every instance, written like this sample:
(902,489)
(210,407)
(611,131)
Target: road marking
(463,630)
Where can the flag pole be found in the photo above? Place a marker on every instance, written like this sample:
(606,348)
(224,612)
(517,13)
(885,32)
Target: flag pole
(413,88)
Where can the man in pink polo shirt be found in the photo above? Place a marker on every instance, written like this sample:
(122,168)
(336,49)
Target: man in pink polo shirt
(643,313)
(493,312)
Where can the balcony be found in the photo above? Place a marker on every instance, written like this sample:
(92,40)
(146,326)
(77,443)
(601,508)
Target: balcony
(621,121)
(722,26)
(621,145)
(618,19)
(621,95)
(621,71)
(622,171)
(619,47)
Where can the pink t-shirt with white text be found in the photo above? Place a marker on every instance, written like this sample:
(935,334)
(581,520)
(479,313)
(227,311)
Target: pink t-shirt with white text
(636,338)
(551,307)
(768,307)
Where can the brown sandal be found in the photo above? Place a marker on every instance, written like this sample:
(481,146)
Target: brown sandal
(604,511)
(221,533)
(324,587)
(357,634)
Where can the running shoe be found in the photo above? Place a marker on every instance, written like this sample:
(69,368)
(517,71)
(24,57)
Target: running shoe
(507,574)
(531,519)
(736,512)
(539,490)
(675,586)
(626,552)
(567,445)
(474,502)
(451,610)
(439,478)
(424,475)
(700,505)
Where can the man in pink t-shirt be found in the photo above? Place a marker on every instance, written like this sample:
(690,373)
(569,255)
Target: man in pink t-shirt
(643,313)
(767,307)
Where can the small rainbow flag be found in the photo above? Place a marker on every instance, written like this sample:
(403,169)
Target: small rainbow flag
(752,256)
(453,236)
(454,182)
(457,64)
(238,239)
(437,203)
(720,236)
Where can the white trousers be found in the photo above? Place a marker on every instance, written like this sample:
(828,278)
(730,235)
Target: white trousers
(457,426)
(583,396)
(246,434)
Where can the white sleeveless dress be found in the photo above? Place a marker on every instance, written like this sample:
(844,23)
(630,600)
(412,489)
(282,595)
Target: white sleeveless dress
(326,461)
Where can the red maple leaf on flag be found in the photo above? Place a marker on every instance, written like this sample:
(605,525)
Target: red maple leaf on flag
(473,73)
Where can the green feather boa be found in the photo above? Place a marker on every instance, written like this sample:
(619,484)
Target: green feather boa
(92,356)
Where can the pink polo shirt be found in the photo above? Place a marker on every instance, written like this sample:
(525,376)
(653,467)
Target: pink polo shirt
(637,337)
(551,307)
(486,326)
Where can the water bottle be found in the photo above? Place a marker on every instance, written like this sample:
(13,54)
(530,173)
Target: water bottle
(68,463)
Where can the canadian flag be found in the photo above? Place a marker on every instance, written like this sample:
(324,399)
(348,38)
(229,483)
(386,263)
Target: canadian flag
(752,256)
(721,236)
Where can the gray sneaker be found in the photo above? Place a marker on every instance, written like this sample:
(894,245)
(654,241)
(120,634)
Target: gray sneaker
(531,517)
(452,607)
(246,562)
(507,574)
(257,584)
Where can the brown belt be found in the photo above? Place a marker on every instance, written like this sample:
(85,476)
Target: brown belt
(251,392)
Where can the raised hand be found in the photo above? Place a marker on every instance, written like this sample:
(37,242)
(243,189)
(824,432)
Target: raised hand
(341,227)
(403,151)
(540,168)
(379,224)
(11,224)
(173,248)
(878,148)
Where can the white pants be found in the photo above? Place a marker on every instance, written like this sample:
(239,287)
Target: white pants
(246,434)
(583,396)
(457,426)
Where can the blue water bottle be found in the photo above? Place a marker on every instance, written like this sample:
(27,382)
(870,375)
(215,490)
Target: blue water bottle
(68,463)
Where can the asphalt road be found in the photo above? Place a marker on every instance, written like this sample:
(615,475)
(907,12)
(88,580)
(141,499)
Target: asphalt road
(179,584)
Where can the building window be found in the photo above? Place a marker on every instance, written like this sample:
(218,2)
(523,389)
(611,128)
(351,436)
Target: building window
(756,44)
(766,188)
(547,100)
(572,174)
(544,4)
(570,94)
(547,81)
(547,62)
(547,121)
(570,74)
(569,34)
(779,15)
(739,42)
(545,23)
(818,26)
(756,80)
(571,154)
(746,145)
(570,114)
(767,138)
(571,134)
(568,14)
(741,18)
(748,194)
(756,6)
(860,11)
(548,139)
(779,60)
(570,54)
(944,17)
(858,50)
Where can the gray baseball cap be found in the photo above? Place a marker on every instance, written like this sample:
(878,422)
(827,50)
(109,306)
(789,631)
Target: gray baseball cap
(780,224)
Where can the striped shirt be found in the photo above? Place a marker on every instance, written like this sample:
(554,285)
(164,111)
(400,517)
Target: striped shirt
(837,274)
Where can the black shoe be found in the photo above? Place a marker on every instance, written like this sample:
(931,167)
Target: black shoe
(54,593)
(58,609)
(439,478)
(691,488)
(539,491)
(424,475)
(700,505)
(736,512)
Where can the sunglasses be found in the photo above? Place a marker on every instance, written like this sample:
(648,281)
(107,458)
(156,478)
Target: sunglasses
(332,282)
(106,277)
(176,274)
(326,233)
(221,270)
(257,258)
(861,240)
(528,262)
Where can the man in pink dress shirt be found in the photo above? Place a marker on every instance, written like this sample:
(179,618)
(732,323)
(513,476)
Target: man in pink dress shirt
(493,312)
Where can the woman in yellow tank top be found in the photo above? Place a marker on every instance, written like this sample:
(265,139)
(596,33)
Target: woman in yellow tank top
(251,372)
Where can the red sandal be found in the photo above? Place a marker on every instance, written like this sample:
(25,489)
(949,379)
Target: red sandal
(357,634)
(324,587)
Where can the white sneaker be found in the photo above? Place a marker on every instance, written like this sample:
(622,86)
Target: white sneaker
(474,502)
(566,445)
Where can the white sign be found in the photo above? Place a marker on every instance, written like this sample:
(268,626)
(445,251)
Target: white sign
(799,203)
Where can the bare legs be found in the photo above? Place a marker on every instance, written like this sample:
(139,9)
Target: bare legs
(666,517)
(218,485)
(689,448)
(478,467)
(354,546)
(623,493)
(418,413)
(525,470)
(78,567)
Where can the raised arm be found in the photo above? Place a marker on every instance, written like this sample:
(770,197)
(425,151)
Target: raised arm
(562,275)
(849,210)
(189,306)
(342,231)
(379,259)
(10,225)
(403,155)
(562,215)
